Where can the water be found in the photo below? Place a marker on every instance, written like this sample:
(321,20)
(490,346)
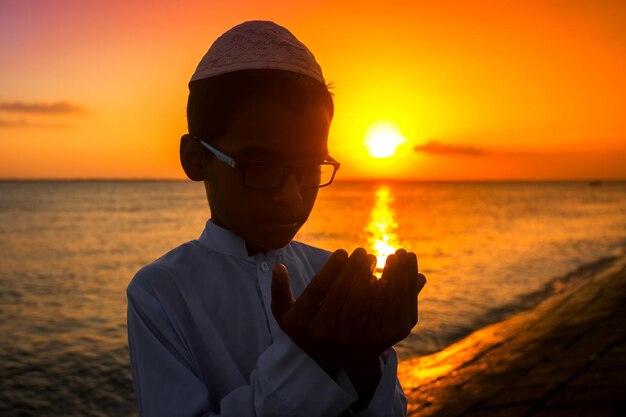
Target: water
(69,250)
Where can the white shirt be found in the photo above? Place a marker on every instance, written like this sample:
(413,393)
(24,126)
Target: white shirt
(204,342)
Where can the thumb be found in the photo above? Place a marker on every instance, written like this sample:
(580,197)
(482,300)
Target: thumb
(282,299)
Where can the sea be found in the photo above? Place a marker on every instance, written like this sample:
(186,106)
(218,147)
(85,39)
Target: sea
(69,249)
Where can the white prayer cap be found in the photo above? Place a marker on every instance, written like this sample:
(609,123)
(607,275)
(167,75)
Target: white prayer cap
(257,44)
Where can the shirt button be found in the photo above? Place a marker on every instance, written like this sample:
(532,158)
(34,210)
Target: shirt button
(265,267)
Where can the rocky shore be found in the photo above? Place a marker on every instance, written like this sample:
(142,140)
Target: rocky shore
(566,357)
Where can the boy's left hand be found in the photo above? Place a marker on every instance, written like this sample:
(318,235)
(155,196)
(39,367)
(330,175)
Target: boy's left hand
(389,315)
(390,312)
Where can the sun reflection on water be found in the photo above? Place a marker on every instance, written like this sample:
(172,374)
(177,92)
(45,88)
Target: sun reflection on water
(381,229)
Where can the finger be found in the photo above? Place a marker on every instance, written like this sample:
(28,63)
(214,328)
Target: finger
(309,301)
(412,287)
(417,264)
(362,322)
(402,295)
(401,252)
(338,292)
(282,299)
(390,263)
(421,281)
(403,270)
(372,266)
(375,323)
(356,298)
(379,297)
(388,285)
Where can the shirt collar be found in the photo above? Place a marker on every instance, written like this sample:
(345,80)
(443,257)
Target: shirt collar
(225,241)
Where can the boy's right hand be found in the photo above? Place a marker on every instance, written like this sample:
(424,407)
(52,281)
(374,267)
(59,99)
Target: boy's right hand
(301,320)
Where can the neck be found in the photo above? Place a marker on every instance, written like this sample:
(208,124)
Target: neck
(250,247)
(254,249)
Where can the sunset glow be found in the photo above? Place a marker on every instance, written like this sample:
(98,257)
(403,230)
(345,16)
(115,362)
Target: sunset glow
(98,89)
(381,229)
(382,139)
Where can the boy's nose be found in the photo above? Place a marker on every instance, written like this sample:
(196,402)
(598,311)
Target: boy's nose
(291,191)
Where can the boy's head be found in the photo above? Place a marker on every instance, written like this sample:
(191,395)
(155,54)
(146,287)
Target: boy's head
(258,97)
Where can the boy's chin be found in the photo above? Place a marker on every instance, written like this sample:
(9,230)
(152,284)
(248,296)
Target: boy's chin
(276,242)
(275,236)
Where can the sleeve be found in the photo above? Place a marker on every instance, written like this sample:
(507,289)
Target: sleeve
(286,381)
(389,399)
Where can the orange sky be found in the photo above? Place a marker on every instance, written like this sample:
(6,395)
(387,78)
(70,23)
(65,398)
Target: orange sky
(481,90)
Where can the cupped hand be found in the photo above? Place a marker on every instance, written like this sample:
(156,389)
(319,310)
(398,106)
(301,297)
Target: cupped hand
(319,320)
(392,309)
(345,312)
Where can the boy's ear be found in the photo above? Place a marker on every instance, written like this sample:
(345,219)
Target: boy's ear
(192,158)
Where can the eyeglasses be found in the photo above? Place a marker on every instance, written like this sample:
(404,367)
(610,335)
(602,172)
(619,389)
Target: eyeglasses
(266,176)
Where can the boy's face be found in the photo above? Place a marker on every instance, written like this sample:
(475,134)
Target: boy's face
(267,132)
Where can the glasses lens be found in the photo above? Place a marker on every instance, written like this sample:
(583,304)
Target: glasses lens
(273,176)
(264,176)
(317,175)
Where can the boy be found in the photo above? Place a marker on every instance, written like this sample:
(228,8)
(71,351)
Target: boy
(213,326)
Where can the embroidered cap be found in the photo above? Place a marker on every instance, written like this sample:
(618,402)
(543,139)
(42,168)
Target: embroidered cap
(257,44)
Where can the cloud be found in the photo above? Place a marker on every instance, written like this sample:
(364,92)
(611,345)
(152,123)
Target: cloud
(435,147)
(34,111)
(57,107)
(26,123)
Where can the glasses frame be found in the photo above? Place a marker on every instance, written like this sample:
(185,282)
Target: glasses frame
(231,162)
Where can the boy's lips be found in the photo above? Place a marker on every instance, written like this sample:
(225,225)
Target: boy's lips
(284,224)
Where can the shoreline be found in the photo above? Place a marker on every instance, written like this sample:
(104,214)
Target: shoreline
(494,370)
(524,302)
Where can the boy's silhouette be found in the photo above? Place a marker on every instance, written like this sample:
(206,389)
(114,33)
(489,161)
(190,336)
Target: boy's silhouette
(213,325)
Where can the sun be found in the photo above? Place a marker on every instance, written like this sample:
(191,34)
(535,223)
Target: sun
(383,138)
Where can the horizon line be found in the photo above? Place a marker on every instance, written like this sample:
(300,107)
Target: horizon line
(354,179)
